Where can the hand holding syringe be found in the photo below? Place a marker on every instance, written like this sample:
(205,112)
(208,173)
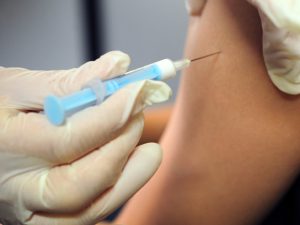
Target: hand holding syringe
(58,109)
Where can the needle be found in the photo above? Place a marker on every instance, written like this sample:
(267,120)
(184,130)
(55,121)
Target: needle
(202,57)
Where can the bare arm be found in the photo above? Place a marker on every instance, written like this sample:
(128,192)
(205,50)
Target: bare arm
(232,146)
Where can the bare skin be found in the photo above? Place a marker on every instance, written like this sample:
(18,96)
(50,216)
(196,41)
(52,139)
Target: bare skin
(232,146)
(155,123)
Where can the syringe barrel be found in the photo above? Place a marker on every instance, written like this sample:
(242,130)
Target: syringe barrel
(150,72)
(58,109)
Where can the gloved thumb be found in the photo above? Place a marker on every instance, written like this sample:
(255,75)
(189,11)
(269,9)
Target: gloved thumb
(24,89)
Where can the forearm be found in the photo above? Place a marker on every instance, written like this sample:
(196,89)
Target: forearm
(232,145)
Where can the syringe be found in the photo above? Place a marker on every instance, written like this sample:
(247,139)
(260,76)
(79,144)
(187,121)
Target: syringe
(57,109)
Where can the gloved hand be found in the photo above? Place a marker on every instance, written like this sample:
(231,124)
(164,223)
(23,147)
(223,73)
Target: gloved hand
(281,41)
(77,173)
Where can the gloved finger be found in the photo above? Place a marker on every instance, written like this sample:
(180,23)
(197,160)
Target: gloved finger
(282,13)
(281,38)
(83,132)
(26,90)
(140,168)
(82,181)
(195,7)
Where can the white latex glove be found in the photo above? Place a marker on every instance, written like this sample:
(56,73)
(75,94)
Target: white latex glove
(281,41)
(77,173)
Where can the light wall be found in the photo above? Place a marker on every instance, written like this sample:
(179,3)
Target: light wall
(41,34)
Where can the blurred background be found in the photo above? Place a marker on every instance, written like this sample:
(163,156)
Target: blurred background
(40,34)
